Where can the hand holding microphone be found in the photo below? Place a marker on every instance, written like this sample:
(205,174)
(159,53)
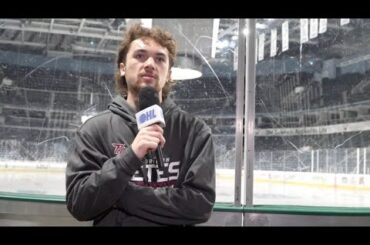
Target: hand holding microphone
(150,122)
(148,139)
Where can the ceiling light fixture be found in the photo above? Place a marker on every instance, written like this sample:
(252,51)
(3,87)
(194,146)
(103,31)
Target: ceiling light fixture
(187,66)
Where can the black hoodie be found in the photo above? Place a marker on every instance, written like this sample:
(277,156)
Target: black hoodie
(104,178)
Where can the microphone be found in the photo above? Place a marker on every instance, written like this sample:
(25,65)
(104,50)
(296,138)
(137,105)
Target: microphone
(150,113)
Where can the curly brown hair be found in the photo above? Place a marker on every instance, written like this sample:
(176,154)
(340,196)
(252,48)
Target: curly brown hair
(136,31)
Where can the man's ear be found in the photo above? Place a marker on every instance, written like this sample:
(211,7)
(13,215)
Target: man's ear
(122,69)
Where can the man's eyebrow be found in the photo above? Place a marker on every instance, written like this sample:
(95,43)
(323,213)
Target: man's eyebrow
(140,50)
(161,54)
(146,51)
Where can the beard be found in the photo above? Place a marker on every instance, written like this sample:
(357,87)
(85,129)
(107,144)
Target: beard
(134,88)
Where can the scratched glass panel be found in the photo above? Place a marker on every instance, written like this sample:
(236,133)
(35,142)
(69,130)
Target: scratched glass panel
(56,73)
(312,130)
(210,45)
(53,73)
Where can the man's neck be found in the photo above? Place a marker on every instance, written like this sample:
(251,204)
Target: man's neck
(133,101)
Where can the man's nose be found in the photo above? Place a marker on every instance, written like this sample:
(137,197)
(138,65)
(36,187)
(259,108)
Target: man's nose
(150,62)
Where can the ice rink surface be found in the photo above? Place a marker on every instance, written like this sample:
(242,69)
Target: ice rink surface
(52,182)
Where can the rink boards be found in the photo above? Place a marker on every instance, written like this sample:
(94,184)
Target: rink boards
(270,187)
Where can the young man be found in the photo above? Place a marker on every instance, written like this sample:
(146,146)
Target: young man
(110,156)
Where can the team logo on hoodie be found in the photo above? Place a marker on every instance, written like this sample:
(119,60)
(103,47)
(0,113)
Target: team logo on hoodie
(155,176)
(118,148)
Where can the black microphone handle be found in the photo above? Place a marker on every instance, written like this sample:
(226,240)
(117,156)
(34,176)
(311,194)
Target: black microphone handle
(159,156)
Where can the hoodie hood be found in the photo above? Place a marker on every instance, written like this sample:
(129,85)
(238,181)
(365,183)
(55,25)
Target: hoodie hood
(121,107)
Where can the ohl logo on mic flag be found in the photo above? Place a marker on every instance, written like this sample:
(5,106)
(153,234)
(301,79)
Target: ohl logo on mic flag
(147,116)
(151,115)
